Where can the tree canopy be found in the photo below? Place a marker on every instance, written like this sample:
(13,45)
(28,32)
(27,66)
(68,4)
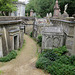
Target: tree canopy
(42,7)
(7,6)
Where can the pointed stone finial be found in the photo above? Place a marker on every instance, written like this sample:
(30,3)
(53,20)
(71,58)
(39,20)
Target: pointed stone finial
(56,10)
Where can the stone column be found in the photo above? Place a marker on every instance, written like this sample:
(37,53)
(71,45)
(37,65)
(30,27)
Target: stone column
(17,41)
(12,42)
(1,51)
(73,52)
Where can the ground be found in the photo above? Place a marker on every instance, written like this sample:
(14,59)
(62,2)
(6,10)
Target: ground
(24,64)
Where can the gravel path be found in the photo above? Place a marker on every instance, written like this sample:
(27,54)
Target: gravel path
(24,64)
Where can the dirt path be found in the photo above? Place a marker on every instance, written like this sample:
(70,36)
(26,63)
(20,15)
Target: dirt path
(24,64)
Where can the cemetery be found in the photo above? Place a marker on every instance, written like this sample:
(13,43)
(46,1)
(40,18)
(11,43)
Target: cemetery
(37,36)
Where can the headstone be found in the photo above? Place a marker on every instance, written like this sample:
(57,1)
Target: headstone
(47,15)
(34,14)
(50,14)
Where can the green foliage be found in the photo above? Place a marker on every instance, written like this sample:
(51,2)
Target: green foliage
(7,6)
(10,56)
(56,62)
(31,34)
(43,62)
(72,60)
(42,7)
(39,41)
(50,55)
(60,51)
(61,69)
(38,16)
(71,6)
(64,60)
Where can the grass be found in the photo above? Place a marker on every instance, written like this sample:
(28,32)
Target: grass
(0,72)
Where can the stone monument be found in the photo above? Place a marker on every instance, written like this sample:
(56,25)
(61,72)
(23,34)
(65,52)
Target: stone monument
(47,15)
(65,14)
(56,10)
(50,14)
(31,13)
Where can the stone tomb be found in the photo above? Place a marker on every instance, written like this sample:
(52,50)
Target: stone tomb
(39,25)
(11,34)
(52,37)
(68,27)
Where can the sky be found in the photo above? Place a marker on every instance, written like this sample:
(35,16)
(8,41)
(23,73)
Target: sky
(26,1)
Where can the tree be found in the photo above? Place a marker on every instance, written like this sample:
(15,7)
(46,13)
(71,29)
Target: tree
(42,7)
(7,6)
(71,6)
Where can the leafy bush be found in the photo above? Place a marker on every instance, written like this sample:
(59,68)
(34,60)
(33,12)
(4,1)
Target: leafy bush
(72,60)
(56,62)
(43,62)
(61,50)
(61,69)
(64,60)
(50,55)
(39,40)
(10,56)
(31,34)
(38,16)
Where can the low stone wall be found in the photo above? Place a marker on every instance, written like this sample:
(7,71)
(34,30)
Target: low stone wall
(11,34)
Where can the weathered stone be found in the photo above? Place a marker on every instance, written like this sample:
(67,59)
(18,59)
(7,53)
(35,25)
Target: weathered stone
(52,38)
(68,28)
(11,31)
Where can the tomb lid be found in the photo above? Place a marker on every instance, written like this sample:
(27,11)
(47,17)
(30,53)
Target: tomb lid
(9,18)
(10,22)
(52,30)
(15,30)
(65,21)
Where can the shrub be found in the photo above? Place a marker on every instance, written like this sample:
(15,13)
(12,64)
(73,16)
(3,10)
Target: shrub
(60,50)
(10,56)
(61,69)
(56,62)
(31,34)
(38,16)
(43,62)
(51,55)
(39,40)
(72,60)
(64,60)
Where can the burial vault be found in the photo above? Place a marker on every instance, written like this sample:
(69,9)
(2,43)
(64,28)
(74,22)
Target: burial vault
(11,34)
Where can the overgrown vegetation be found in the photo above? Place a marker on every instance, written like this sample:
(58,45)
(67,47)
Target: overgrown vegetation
(56,62)
(10,56)
(7,6)
(39,41)
(42,7)
(31,34)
